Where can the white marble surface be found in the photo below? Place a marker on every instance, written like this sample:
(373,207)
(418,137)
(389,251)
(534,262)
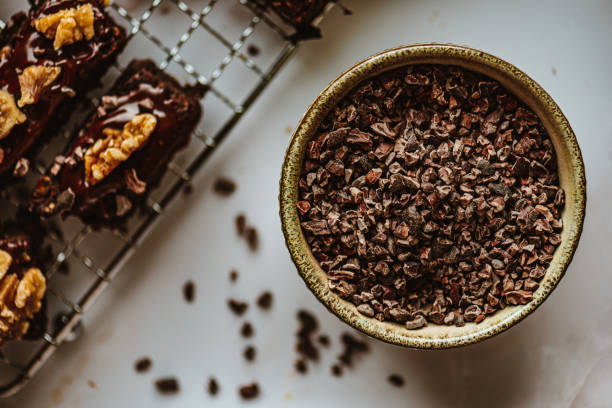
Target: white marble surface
(560,356)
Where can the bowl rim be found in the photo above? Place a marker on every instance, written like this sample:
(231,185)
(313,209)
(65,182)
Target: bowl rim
(374,65)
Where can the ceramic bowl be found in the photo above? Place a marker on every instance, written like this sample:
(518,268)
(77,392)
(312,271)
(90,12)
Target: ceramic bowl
(571,173)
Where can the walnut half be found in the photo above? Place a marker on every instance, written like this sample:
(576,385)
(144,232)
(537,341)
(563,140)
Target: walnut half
(33,81)
(10,115)
(106,154)
(67,26)
(20,300)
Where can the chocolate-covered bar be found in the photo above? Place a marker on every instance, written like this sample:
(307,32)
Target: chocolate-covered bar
(48,58)
(22,281)
(123,150)
(297,13)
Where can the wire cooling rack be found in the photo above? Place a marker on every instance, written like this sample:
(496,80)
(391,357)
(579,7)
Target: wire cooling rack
(197,41)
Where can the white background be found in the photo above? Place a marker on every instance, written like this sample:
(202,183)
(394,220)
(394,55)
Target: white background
(560,356)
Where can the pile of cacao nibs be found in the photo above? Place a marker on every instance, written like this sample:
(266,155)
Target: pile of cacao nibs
(431,194)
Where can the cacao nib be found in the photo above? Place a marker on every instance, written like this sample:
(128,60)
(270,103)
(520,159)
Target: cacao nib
(249,391)
(212,386)
(168,385)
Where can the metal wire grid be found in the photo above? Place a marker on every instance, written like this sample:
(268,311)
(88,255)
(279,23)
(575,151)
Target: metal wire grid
(69,249)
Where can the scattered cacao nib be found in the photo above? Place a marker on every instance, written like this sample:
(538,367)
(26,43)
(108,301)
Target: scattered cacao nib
(249,232)
(352,348)
(396,380)
(305,345)
(324,340)
(224,186)
(143,365)
(169,385)
(189,291)
(253,50)
(336,370)
(305,340)
(249,353)
(188,189)
(249,391)
(264,301)
(241,224)
(430,194)
(300,366)
(233,275)
(252,238)
(212,386)
(237,306)
(247,330)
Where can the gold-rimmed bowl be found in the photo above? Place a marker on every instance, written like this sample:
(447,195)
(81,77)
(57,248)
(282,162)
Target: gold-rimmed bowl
(571,178)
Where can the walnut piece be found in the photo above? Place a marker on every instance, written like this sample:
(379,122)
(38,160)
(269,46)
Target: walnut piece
(5,262)
(67,26)
(10,115)
(106,154)
(20,300)
(5,51)
(33,81)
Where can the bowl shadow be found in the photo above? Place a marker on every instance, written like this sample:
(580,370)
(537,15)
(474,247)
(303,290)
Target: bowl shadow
(495,372)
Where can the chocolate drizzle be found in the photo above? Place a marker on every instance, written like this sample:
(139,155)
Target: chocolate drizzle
(81,63)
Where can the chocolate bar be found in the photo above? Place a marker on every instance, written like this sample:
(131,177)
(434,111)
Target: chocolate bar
(123,150)
(49,58)
(299,14)
(22,279)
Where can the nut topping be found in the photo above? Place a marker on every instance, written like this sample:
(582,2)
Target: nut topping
(67,26)
(30,291)
(20,300)
(10,115)
(106,154)
(5,51)
(33,81)
(5,262)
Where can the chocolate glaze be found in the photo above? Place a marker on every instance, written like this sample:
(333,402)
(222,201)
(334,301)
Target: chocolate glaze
(298,13)
(82,63)
(142,88)
(23,238)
